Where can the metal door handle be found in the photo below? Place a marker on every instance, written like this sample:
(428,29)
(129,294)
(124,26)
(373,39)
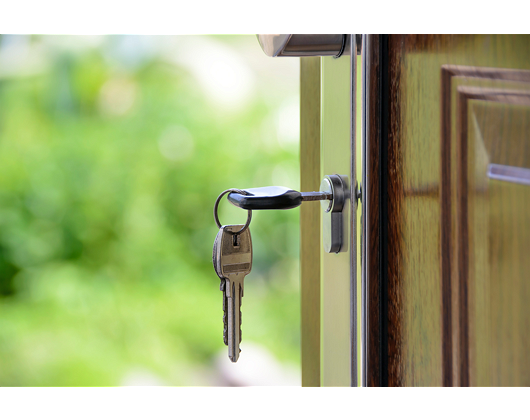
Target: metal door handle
(303,45)
(292,45)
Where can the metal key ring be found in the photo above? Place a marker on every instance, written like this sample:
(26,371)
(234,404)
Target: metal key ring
(249,218)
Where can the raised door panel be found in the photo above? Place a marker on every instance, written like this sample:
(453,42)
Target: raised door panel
(452,231)
(494,236)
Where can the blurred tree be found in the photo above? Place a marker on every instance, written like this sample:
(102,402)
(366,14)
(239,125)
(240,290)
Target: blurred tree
(111,157)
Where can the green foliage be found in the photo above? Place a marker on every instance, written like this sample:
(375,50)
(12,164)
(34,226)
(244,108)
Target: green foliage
(108,175)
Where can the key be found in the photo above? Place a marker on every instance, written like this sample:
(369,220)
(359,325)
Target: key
(215,260)
(235,262)
(274,198)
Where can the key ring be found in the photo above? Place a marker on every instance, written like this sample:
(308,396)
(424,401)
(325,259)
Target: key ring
(249,218)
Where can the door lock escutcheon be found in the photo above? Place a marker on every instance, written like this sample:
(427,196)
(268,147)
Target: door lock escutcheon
(332,213)
(333,194)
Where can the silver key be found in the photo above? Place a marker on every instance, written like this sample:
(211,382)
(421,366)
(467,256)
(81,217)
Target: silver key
(215,260)
(235,262)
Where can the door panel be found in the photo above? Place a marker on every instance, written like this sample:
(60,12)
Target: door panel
(447,123)
(494,236)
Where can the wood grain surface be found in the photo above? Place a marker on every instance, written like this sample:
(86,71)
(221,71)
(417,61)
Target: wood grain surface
(450,244)
(371,207)
(493,236)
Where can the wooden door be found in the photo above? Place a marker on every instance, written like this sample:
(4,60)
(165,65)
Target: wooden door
(447,206)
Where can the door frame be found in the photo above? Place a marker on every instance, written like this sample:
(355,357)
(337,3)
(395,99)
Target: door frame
(329,298)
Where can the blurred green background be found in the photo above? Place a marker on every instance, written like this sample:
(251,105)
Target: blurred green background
(112,152)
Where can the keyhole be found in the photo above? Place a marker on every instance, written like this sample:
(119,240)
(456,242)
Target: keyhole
(235,240)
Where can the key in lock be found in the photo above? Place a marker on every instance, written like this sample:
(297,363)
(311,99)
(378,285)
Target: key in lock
(333,194)
(232,250)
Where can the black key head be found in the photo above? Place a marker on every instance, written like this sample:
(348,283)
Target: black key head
(267,198)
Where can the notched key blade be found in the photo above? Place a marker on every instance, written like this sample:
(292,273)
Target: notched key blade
(234,319)
(235,259)
(222,285)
